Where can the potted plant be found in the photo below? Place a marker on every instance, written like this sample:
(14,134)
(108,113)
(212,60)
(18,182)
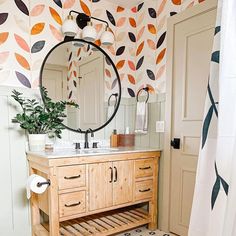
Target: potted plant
(39,120)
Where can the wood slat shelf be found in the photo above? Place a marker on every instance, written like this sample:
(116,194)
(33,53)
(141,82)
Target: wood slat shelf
(108,223)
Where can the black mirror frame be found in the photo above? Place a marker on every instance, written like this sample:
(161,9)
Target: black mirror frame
(114,67)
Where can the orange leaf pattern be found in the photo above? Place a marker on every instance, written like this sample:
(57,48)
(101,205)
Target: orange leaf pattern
(3,37)
(22,43)
(131,65)
(140,48)
(177,2)
(85,8)
(55,15)
(151,44)
(151,89)
(152,29)
(131,79)
(132,22)
(22,61)
(120,64)
(161,56)
(120,9)
(37,28)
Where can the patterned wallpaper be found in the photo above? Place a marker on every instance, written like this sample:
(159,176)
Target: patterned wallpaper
(151,30)
(29,28)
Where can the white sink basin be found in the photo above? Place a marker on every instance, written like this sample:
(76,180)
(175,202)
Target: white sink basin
(74,152)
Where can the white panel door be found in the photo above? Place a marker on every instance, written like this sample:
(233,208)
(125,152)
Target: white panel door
(192,45)
(91,94)
(53,80)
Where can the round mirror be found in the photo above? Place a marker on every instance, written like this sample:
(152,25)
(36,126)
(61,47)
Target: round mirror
(82,74)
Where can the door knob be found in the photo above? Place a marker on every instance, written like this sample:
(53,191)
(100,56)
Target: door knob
(175,143)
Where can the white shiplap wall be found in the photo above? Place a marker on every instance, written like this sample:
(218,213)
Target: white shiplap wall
(14,208)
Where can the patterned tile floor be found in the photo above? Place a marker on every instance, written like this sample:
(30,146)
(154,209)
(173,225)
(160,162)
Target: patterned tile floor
(143,231)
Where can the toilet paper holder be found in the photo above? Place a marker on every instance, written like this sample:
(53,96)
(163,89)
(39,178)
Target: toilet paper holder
(40,184)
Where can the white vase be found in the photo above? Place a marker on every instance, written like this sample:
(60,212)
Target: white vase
(37,142)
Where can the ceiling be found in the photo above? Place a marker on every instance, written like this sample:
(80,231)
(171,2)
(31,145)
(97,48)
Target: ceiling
(126,3)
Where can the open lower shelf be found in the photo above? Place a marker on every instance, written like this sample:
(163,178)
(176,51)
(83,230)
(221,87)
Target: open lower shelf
(107,223)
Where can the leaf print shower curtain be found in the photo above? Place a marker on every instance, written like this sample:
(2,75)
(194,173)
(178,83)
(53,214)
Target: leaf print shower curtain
(214,203)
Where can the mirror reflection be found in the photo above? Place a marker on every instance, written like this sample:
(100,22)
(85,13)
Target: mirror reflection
(76,71)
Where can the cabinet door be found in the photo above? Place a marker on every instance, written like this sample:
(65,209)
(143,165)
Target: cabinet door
(100,186)
(123,182)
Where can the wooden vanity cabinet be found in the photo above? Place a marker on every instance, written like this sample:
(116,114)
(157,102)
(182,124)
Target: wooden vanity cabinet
(95,195)
(110,184)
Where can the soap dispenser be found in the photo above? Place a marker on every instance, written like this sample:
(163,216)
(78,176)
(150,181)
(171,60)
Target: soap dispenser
(114,139)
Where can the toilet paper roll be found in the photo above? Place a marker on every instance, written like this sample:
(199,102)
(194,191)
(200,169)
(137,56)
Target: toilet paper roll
(32,185)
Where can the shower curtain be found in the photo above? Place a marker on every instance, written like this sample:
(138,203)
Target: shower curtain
(214,203)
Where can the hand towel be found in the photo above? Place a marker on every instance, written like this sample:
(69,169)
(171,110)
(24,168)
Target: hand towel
(141,124)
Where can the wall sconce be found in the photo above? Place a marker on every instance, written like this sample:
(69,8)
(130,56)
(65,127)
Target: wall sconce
(70,28)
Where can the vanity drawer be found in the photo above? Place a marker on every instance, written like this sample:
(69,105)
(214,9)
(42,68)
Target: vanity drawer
(143,189)
(71,176)
(143,168)
(72,203)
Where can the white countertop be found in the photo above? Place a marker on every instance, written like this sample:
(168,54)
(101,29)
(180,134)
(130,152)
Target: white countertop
(68,152)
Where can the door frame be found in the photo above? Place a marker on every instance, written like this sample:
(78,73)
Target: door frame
(62,69)
(164,218)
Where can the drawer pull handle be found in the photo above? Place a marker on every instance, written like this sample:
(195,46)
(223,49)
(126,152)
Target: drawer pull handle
(72,177)
(145,190)
(73,205)
(111,175)
(116,175)
(145,168)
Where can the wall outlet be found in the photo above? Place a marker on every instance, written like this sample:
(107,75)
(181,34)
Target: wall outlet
(160,126)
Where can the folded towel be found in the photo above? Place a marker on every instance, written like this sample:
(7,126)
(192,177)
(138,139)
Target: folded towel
(141,124)
(110,111)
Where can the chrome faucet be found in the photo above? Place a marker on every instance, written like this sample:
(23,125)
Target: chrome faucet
(86,143)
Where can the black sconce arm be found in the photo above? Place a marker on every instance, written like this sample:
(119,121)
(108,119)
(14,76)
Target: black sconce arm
(86,18)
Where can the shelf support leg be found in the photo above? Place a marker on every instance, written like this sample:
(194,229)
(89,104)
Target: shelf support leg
(153,203)
(53,205)
(35,214)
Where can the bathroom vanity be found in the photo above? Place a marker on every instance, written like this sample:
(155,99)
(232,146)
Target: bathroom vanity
(95,192)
